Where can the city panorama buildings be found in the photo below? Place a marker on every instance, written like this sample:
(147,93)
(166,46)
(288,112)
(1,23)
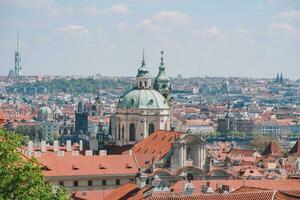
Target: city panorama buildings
(144,109)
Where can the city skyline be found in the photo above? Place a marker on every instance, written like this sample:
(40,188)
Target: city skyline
(232,38)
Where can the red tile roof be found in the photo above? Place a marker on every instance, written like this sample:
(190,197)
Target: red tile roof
(272,149)
(69,165)
(91,195)
(235,151)
(237,183)
(261,195)
(296,149)
(123,192)
(154,147)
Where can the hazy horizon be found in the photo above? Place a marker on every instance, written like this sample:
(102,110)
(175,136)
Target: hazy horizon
(233,38)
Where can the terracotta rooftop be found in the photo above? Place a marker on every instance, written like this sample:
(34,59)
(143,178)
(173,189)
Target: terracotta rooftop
(235,184)
(272,149)
(126,192)
(198,122)
(261,195)
(154,147)
(236,151)
(91,195)
(296,149)
(70,165)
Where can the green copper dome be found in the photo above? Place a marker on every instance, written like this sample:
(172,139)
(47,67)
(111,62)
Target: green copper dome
(141,99)
(45,110)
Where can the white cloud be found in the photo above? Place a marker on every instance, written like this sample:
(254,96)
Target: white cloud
(122,26)
(91,9)
(50,7)
(74,30)
(163,20)
(240,31)
(293,15)
(212,32)
(119,9)
(284,27)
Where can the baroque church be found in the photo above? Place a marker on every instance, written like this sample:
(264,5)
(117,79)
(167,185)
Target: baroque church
(144,109)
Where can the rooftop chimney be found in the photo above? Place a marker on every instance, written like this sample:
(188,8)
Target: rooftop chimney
(141,180)
(69,146)
(80,145)
(188,189)
(88,152)
(55,146)
(43,146)
(102,153)
(30,146)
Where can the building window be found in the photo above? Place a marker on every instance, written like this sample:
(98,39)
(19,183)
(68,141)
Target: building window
(188,153)
(75,183)
(123,132)
(61,183)
(90,183)
(103,182)
(131,132)
(145,83)
(118,182)
(150,129)
(119,132)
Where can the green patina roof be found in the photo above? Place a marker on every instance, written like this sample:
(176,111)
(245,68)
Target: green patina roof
(161,74)
(45,110)
(142,98)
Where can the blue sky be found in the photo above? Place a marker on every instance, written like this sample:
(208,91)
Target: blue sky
(254,38)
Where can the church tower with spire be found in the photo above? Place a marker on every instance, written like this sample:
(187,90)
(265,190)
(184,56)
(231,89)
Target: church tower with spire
(162,82)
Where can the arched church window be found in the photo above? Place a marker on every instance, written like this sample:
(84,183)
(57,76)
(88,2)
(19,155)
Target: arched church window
(150,129)
(131,132)
(123,132)
(189,153)
(145,83)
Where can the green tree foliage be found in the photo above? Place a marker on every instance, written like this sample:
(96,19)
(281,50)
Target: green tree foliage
(32,132)
(81,85)
(237,134)
(260,142)
(21,177)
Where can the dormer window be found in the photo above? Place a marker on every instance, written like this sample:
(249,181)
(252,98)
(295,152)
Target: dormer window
(101,166)
(74,167)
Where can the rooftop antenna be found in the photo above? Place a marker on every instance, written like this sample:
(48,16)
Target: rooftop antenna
(18,57)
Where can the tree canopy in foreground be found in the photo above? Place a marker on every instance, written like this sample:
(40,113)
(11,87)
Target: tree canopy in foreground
(21,177)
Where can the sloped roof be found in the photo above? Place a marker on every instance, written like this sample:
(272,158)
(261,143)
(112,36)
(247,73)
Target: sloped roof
(69,165)
(123,192)
(272,149)
(296,149)
(91,195)
(260,195)
(235,184)
(245,152)
(154,147)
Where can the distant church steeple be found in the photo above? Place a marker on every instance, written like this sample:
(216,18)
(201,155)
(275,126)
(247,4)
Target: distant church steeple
(279,79)
(143,80)
(162,82)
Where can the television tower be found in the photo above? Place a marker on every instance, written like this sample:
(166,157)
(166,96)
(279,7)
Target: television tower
(18,67)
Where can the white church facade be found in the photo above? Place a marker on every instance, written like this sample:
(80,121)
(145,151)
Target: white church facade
(144,109)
